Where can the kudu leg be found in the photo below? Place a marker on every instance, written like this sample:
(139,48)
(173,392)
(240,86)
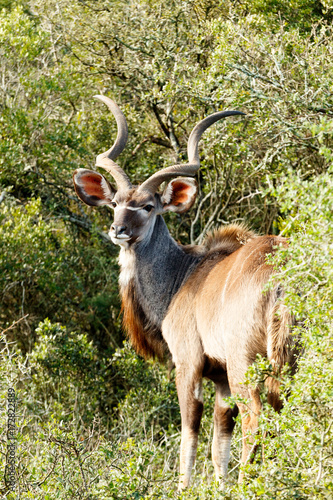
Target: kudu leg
(224,424)
(250,422)
(189,388)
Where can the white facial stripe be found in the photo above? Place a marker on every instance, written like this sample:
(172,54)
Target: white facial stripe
(134,209)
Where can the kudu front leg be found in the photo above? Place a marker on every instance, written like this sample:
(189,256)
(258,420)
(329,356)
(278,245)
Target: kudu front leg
(224,423)
(189,389)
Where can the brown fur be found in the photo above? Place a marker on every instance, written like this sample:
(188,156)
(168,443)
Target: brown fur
(279,332)
(225,417)
(218,245)
(229,238)
(145,337)
(226,238)
(136,198)
(282,349)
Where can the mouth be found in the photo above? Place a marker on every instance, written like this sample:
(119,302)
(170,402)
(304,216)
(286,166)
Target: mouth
(120,238)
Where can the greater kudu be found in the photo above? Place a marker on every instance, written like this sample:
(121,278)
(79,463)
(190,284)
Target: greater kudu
(203,304)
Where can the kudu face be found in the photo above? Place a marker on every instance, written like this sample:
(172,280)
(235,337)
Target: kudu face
(135,210)
(134,216)
(136,207)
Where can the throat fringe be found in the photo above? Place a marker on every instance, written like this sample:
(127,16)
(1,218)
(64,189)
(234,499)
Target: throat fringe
(145,337)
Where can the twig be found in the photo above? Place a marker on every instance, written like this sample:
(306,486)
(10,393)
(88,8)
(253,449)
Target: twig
(321,459)
(81,469)
(14,324)
(154,140)
(50,472)
(251,195)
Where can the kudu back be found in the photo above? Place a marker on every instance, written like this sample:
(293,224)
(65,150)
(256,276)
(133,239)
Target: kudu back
(205,305)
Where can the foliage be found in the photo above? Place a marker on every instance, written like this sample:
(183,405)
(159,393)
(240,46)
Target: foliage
(303,459)
(41,275)
(48,269)
(167,76)
(296,13)
(94,420)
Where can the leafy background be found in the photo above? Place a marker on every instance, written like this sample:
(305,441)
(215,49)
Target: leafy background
(89,424)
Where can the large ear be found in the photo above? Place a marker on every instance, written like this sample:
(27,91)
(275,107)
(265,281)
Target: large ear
(179,195)
(92,188)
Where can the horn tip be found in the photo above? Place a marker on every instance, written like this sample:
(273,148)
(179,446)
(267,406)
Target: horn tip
(104,99)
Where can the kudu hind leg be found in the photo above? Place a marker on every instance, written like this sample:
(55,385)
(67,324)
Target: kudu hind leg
(250,422)
(249,414)
(224,423)
(189,388)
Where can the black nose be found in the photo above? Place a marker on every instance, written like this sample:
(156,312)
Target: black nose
(118,229)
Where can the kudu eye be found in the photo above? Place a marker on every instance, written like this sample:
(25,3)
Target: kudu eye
(113,204)
(148,208)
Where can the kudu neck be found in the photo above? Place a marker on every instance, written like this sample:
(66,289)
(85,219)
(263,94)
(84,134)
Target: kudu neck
(161,266)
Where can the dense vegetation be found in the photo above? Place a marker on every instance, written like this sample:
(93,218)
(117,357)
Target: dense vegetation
(89,423)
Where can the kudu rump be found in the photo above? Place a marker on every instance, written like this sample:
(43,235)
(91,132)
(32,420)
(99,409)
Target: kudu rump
(203,304)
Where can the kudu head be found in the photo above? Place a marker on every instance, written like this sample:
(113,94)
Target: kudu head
(136,207)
